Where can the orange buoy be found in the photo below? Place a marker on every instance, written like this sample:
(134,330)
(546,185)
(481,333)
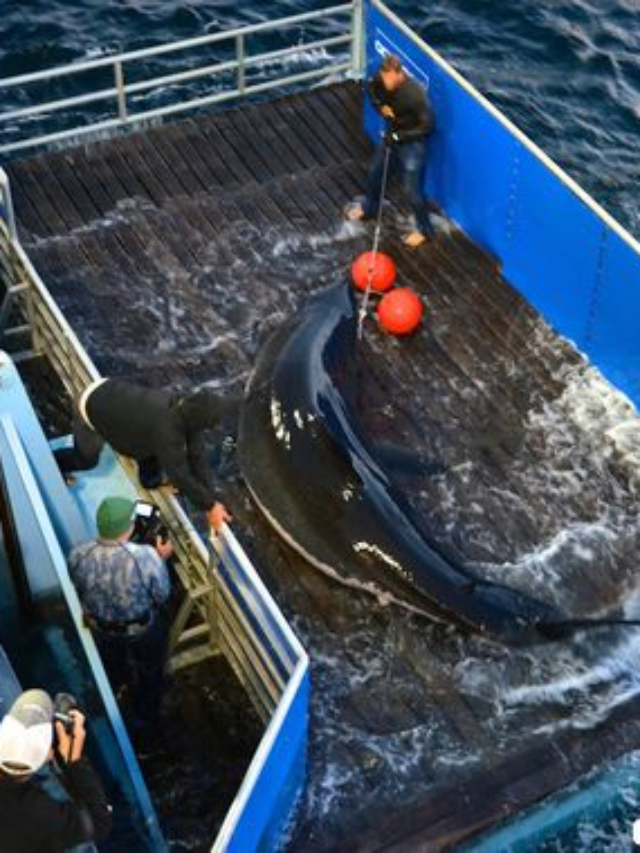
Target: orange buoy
(382,277)
(400,311)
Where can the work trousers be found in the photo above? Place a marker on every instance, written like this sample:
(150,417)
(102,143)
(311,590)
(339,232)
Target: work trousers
(138,662)
(410,160)
(86,450)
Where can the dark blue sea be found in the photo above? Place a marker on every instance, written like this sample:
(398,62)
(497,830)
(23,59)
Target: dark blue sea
(566,71)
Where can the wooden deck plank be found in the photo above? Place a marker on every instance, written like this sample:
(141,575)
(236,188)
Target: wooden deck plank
(50,220)
(31,221)
(84,203)
(220,175)
(170,183)
(89,173)
(222,154)
(177,164)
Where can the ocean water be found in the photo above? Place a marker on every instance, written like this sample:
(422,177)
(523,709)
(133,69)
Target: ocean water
(567,71)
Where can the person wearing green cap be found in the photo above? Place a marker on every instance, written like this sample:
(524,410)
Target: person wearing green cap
(123,586)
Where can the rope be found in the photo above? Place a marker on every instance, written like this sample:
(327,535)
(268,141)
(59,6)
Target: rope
(376,242)
(554,630)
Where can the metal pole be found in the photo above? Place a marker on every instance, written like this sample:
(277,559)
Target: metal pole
(7,203)
(121,91)
(240,59)
(376,242)
(358,38)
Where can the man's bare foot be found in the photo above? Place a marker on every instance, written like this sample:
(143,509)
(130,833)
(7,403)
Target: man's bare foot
(415,239)
(354,212)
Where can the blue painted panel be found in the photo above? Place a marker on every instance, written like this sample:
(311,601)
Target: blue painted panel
(614,335)
(275,645)
(269,808)
(553,246)
(67,520)
(38,545)
(91,487)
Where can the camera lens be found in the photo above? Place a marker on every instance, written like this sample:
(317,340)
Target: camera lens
(62,704)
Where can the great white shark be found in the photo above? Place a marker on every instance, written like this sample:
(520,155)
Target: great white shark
(319,481)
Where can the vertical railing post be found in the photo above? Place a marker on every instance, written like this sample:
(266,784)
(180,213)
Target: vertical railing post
(358,38)
(240,60)
(7,204)
(121,92)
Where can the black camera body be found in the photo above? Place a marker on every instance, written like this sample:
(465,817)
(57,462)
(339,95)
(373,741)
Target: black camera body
(62,704)
(148,525)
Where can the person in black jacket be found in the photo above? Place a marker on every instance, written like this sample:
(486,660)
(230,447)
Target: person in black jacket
(160,430)
(410,121)
(31,819)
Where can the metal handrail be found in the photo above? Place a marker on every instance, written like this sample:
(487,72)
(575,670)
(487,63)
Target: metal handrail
(7,204)
(121,91)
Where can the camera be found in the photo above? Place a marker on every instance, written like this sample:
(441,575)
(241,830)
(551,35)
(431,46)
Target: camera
(147,524)
(62,704)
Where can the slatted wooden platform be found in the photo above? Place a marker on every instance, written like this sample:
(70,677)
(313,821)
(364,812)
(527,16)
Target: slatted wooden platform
(173,253)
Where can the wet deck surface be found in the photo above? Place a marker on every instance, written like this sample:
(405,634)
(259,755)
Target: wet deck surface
(173,254)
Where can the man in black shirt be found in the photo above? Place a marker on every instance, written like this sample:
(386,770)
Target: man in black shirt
(405,106)
(31,820)
(160,430)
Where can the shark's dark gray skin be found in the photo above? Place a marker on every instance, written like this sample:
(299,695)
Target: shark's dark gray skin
(318,481)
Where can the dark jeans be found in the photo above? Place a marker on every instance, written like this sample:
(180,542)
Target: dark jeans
(85,453)
(410,159)
(86,450)
(138,662)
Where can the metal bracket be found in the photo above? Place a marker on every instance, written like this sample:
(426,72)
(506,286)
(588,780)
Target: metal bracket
(10,335)
(194,633)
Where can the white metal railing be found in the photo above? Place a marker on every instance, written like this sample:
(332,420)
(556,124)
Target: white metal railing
(6,202)
(122,94)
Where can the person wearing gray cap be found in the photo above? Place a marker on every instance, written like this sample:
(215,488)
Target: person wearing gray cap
(31,820)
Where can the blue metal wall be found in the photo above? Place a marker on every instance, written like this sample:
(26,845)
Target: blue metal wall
(576,270)
(278,781)
(70,528)
(270,808)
